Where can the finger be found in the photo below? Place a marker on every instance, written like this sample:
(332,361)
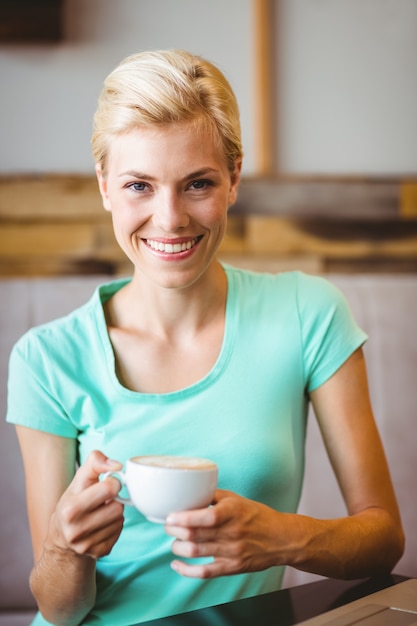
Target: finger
(100,542)
(211,516)
(88,473)
(197,534)
(191,550)
(202,570)
(79,525)
(80,504)
(184,524)
(221,494)
(214,546)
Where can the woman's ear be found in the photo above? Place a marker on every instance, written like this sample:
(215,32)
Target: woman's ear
(102,185)
(234,181)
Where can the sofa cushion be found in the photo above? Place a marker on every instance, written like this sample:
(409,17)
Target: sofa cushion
(21,618)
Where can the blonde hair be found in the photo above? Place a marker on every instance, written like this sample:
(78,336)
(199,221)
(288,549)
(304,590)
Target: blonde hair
(166,87)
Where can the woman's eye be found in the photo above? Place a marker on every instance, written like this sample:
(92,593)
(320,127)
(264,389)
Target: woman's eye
(137,186)
(200,184)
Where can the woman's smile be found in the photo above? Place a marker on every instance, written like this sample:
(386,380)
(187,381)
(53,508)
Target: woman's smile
(173,247)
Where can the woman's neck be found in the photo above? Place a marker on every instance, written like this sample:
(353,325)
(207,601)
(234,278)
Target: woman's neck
(166,312)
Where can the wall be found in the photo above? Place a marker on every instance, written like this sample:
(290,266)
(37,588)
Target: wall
(49,92)
(347,89)
(346,102)
(346,79)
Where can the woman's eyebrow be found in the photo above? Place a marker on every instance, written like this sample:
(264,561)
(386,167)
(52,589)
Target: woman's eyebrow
(201,172)
(136,174)
(204,171)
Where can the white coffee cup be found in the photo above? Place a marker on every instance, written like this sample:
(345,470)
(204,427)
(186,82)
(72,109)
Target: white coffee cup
(160,485)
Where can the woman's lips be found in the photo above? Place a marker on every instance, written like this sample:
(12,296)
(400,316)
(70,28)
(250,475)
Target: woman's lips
(171,247)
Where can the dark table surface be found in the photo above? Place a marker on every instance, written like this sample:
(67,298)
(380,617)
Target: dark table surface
(282,608)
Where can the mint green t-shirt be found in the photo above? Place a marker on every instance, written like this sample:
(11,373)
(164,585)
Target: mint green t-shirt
(285,335)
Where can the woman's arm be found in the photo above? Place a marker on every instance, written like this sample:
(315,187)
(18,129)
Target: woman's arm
(373,533)
(243,535)
(73,520)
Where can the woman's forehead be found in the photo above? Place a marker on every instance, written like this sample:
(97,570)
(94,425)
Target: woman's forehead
(156,148)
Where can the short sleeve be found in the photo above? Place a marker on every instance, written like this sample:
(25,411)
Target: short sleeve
(329,332)
(31,400)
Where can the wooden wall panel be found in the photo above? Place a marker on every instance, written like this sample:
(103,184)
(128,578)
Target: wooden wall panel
(55,225)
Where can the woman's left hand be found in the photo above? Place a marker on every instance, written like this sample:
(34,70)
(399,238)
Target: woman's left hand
(239,534)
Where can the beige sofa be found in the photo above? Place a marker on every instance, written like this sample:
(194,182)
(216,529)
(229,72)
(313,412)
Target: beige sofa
(384,305)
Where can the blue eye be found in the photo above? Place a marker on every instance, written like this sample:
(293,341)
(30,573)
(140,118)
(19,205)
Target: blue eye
(137,186)
(202,183)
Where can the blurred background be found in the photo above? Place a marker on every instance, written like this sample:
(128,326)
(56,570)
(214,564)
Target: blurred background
(328,98)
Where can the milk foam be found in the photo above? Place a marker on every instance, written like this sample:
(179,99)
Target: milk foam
(175,462)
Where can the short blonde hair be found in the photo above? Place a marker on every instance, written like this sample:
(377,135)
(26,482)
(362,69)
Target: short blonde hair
(164,87)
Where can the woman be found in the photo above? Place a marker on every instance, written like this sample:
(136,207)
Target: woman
(190,357)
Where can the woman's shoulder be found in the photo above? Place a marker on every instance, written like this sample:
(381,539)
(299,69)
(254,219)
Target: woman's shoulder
(74,329)
(294,293)
(295,281)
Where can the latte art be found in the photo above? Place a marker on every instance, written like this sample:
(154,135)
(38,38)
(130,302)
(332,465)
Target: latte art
(175,462)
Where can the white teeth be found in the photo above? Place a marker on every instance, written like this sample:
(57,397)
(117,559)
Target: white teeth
(171,248)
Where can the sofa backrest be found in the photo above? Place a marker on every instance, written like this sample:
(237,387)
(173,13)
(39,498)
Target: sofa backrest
(23,303)
(385,306)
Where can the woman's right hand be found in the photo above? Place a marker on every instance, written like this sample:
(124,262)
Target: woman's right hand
(87,520)
(74,519)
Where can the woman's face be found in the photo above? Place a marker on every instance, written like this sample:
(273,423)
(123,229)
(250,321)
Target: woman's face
(168,190)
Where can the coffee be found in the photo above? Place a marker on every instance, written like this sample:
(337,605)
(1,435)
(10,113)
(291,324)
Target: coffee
(175,462)
(159,485)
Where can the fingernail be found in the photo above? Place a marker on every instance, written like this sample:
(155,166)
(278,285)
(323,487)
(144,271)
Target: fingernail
(171,520)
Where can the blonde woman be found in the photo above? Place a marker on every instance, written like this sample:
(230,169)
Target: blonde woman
(190,357)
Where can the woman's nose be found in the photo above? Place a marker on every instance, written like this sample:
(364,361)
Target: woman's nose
(170,213)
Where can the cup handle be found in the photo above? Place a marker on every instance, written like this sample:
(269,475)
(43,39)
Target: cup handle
(122,480)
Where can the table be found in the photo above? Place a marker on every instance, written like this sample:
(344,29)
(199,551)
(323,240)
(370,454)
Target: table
(282,608)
